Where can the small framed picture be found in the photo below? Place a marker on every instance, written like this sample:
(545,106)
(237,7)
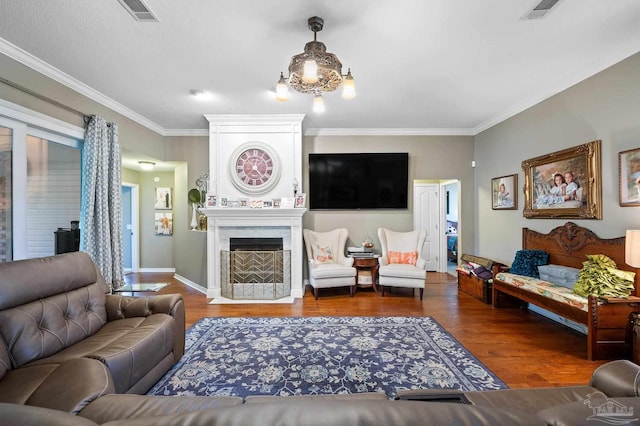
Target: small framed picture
(301,200)
(224,201)
(164,199)
(244,202)
(629,177)
(276,203)
(164,224)
(287,203)
(212,201)
(267,204)
(504,193)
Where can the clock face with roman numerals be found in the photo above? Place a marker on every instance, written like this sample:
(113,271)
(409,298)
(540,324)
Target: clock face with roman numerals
(254,168)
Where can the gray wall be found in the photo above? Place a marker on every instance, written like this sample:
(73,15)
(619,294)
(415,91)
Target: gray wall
(430,158)
(155,252)
(189,247)
(605,106)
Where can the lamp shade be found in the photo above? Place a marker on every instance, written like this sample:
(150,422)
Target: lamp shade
(632,248)
(318,104)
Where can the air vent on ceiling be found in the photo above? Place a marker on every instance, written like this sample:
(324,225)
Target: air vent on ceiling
(139,10)
(541,9)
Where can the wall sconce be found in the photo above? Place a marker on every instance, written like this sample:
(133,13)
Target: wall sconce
(146,165)
(632,248)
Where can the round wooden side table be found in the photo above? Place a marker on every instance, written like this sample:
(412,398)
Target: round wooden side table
(366,264)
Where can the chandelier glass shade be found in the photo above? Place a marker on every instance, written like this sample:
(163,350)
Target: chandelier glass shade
(315,72)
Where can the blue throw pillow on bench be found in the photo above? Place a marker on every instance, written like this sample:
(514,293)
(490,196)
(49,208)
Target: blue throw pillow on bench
(527,262)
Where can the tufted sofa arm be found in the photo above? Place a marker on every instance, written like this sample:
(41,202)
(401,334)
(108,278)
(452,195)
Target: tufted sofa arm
(620,378)
(120,307)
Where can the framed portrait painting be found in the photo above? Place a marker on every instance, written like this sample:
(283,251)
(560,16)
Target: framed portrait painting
(504,192)
(629,177)
(564,184)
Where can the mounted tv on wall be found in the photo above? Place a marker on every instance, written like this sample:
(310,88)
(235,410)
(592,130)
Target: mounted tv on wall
(358,181)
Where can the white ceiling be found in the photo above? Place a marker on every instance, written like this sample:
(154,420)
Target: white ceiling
(421,66)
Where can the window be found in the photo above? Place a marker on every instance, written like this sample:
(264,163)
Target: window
(39,181)
(5,195)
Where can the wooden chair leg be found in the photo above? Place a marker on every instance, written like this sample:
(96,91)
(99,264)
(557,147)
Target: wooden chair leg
(382,287)
(315,292)
(421,293)
(352,290)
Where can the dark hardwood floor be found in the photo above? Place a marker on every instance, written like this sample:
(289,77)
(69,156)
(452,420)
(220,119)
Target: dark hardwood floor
(524,349)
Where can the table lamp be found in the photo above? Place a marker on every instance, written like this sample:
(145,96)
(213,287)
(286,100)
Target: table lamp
(632,248)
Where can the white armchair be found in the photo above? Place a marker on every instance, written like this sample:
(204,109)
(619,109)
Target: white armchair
(328,266)
(401,263)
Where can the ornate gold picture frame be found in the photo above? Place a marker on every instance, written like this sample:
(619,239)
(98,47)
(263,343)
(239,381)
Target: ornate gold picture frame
(564,184)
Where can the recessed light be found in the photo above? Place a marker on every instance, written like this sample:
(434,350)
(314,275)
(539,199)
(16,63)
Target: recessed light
(201,95)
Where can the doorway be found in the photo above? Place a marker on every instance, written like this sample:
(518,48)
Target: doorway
(451,225)
(435,209)
(130,227)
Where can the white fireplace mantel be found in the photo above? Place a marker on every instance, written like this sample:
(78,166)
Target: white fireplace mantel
(247,222)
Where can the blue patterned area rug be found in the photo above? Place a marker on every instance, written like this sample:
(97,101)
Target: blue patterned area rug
(322,355)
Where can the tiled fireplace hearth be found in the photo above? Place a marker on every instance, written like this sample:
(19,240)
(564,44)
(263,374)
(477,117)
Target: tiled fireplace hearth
(225,224)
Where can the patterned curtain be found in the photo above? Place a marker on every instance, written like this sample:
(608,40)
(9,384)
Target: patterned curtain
(101,210)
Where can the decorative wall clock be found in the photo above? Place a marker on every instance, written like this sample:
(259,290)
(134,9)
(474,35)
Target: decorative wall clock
(254,168)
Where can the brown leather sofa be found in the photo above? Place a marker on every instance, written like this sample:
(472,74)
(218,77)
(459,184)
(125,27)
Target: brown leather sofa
(69,352)
(65,342)
(614,385)
(611,397)
(295,411)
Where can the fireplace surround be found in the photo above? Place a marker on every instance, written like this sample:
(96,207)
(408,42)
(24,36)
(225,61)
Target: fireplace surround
(225,224)
(280,136)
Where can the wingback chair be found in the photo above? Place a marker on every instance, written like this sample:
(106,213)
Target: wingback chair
(328,266)
(401,263)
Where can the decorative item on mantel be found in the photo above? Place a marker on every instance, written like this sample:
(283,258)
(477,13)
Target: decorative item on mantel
(194,198)
(295,187)
(197,198)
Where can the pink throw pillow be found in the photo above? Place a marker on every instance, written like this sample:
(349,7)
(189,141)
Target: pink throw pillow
(403,257)
(322,254)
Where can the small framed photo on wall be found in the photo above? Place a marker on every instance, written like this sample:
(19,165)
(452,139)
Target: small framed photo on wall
(164,224)
(164,198)
(629,177)
(504,192)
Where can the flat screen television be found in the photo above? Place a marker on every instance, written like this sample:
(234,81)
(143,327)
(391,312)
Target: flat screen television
(358,181)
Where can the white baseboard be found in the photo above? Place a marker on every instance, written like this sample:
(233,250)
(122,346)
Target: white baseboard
(157,270)
(190,283)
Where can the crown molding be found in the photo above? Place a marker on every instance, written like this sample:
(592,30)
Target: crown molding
(586,71)
(185,132)
(14,52)
(388,132)
(25,58)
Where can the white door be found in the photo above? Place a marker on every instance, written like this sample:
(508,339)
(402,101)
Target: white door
(130,227)
(426,215)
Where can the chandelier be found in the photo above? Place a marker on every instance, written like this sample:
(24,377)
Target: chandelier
(316,72)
